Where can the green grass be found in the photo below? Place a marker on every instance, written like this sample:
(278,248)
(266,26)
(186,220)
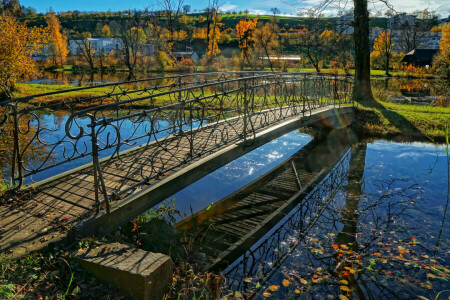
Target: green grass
(405,121)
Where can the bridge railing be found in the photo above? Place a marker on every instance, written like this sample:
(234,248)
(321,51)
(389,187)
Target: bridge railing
(174,120)
(32,142)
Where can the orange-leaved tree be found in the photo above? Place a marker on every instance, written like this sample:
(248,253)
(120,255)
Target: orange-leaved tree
(58,40)
(442,59)
(17,45)
(382,48)
(214,36)
(267,40)
(244,32)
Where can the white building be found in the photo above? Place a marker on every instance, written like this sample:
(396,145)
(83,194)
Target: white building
(98,44)
(401,21)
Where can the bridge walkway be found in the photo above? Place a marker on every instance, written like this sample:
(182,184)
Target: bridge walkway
(45,213)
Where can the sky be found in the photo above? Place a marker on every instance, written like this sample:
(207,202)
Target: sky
(253,6)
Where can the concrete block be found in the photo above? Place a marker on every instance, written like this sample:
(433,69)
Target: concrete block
(145,275)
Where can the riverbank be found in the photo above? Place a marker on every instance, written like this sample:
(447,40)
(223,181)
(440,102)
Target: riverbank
(402,122)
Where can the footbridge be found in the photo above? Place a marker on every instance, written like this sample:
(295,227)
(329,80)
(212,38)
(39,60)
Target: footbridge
(86,159)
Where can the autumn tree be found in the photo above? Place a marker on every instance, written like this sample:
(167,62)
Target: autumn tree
(133,36)
(106,31)
(170,10)
(244,33)
(442,59)
(214,36)
(86,50)
(58,48)
(382,48)
(317,46)
(11,7)
(17,45)
(187,24)
(267,41)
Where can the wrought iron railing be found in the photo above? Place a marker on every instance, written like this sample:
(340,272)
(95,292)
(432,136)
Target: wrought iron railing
(151,126)
(262,260)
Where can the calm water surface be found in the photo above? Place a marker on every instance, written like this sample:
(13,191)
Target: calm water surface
(382,233)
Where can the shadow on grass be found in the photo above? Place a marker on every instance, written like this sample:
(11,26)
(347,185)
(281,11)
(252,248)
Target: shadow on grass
(395,119)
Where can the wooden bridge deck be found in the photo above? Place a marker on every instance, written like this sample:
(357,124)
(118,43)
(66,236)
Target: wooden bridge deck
(232,225)
(46,213)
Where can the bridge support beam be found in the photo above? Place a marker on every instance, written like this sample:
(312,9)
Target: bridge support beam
(130,207)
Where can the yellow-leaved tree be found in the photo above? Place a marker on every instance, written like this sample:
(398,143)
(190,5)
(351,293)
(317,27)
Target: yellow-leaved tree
(244,32)
(214,36)
(58,49)
(382,49)
(17,45)
(442,59)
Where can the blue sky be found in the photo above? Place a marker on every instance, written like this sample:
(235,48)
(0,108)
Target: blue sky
(254,6)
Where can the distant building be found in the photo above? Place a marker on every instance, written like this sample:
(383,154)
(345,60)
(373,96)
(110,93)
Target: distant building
(43,55)
(420,57)
(98,44)
(401,21)
(423,39)
(147,49)
(189,53)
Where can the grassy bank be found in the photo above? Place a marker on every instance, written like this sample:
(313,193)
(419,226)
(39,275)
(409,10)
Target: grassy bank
(402,121)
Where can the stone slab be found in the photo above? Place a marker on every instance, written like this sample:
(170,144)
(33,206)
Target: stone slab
(145,275)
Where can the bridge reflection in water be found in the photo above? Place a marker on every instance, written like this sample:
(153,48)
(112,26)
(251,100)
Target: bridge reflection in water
(250,233)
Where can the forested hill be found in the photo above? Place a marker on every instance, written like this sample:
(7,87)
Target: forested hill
(78,22)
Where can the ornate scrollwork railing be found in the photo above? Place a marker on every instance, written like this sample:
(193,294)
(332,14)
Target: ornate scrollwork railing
(265,257)
(168,121)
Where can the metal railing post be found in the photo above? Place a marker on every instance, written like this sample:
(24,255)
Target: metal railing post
(245,109)
(16,157)
(98,178)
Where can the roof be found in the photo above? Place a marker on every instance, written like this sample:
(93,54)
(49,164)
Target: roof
(423,55)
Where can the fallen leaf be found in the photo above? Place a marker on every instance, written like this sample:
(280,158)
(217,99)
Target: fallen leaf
(274,288)
(286,282)
(331,234)
(343,281)
(303,281)
(342,297)
(345,288)
(267,294)
(248,280)
(431,275)
(297,291)
(319,269)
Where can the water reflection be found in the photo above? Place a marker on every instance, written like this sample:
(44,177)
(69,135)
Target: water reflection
(373,228)
(421,91)
(377,238)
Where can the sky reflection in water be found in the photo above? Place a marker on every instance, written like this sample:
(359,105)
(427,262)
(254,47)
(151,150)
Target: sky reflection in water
(399,215)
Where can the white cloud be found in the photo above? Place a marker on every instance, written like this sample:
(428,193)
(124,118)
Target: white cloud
(228,6)
(253,11)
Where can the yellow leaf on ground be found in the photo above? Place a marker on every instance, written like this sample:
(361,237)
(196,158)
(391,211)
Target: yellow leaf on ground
(248,280)
(267,294)
(273,288)
(343,281)
(303,281)
(342,297)
(297,291)
(345,288)
(286,282)
(431,275)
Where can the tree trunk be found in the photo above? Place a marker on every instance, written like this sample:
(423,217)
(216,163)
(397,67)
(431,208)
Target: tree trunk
(362,89)
(387,64)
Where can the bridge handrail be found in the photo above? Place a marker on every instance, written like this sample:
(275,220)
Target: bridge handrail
(246,103)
